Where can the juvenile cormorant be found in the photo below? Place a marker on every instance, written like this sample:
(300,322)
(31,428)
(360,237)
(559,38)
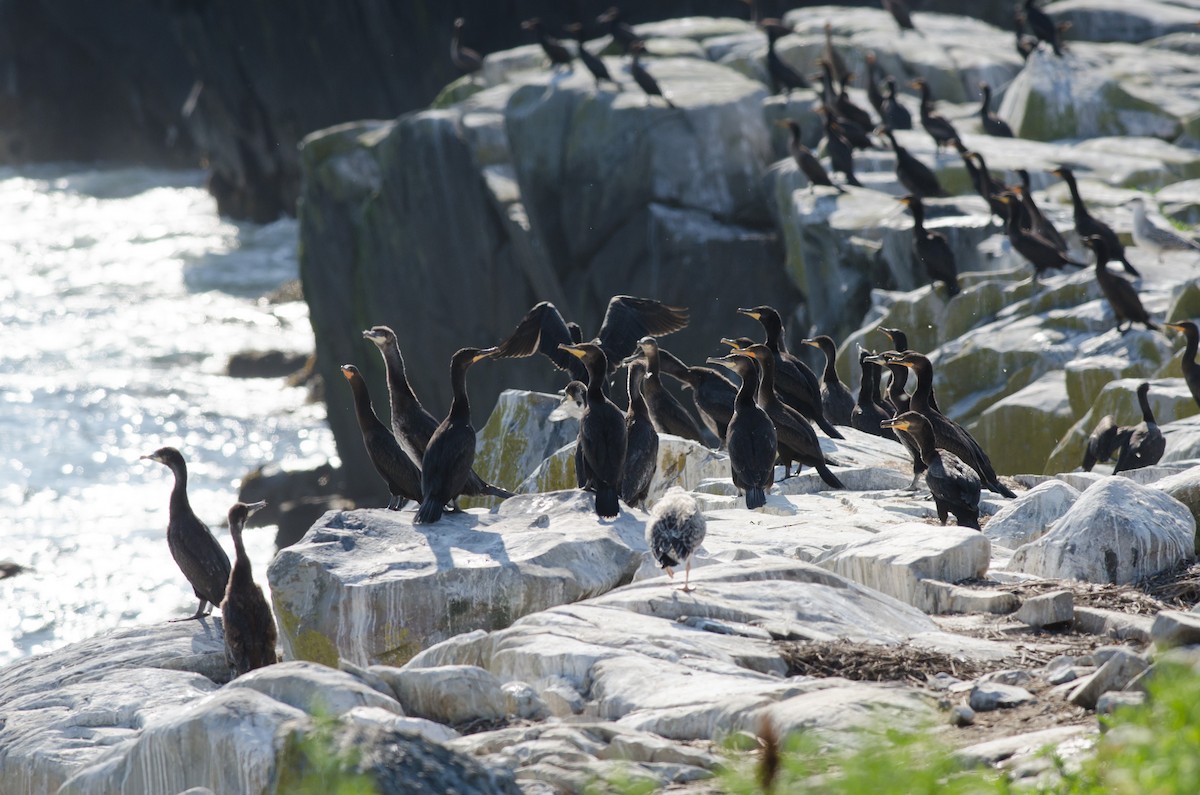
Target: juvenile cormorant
(593,62)
(451,451)
(250,632)
(955,485)
(784,77)
(192,544)
(665,411)
(868,414)
(900,12)
(465,59)
(676,528)
(643,78)
(412,424)
(836,399)
(601,432)
(893,114)
(831,56)
(1106,439)
(641,449)
(402,475)
(941,130)
(931,249)
(1145,444)
(751,439)
(1189,365)
(914,175)
(796,383)
(874,95)
(841,154)
(1148,235)
(992,124)
(901,402)
(1040,253)
(577,392)
(1043,27)
(621,32)
(795,439)
(712,392)
(1035,221)
(626,320)
(1121,295)
(805,159)
(554,49)
(1086,225)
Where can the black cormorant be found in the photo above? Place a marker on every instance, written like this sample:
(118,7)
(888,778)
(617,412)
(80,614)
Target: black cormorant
(554,49)
(874,95)
(1145,444)
(641,449)
(621,32)
(676,528)
(805,159)
(399,472)
(668,414)
(751,439)
(601,432)
(1042,26)
(914,175)
(451,451)
(250,632)
(868,413)
(593,62)
(941,130)
(1189,365)
(900,12)
(712,392)
(830,55)
(988,187)
(784,76)
(836,399)
(193,546)
(465,59)
(643,78)
(1106,439)
(1041,253)
(841,154)
(931,249)
(893,114)
(955,485)
(1086,225)
(992,124)
(577,392)
(1121,295)
(1034,220)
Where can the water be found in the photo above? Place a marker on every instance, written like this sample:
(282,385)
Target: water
(122,295)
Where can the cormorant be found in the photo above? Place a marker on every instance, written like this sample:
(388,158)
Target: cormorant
(751,439)
(931,249)
(901,402)
(412,424)
(874,95)
(941,130)
(593,62)
(676,528)
(852,128)
(643,78)
(832,57)
(841,155)
(465,59)
(948,433)
(641,449)
(914,175)
(955,485)
(192,544)
(1147,235)
(1107,437)
(665,411)
(250,632)
(836,399)
(988,187)
(554,49)
(1121,295)
(1041,253)
(626,320)
(894,115)
(1145,444)
(1086,225)
(868,414)
(795,438)
(601,432)
(712,392)
(451,451)
(797,384)
(577,392)
(1036,221)
(784,76)
(1025,44)
(1189,365)
(621,32)
(992,124)
(805,159)
(899,11)
(1043,27)
(850,114)
(399,472)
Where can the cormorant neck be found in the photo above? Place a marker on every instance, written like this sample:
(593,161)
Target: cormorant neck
(987,101)
(925,442)
(596,374)
(1193,342)
(868,385)
(179,497)
(918,214)
(830,374)
(896,389)
(922,395)
(765,370)
(460,408)
(1144,402)
(362,402)
(398,386)
(637,403)
(235,530)
(652,365)
(1076,199)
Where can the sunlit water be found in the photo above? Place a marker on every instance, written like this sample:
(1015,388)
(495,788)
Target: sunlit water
(122,295)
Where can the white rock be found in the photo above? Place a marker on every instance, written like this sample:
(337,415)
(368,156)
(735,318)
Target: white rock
(374,716)
(453,694)
(1113,20)
(988,696)
(521,700)
(1114,674)
(523,429)
(1046,609)
(315,688)
(1185,487)
(1116,532)
(1175,628)
(845,713)
(1113,624)
(1029,516)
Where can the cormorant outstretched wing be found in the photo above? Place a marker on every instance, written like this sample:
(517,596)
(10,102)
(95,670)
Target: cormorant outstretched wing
(542,330)
(628,319)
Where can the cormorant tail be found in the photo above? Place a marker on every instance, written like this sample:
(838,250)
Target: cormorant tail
(830,479)
(429,512)
(496,491)
(827,426)
(755,497)
(606,502)
(1001,489)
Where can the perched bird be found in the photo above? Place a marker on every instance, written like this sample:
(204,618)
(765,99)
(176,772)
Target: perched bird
(675,530)
(841,154)
(914,175)
(955,486)
(1121,295)
(1035,221)
(1106,439)
(626,320)
(931,249)
(1150,236)
(1043,27)
(412,424)
(1189,365)
(751,439)
(1026,44)
(992,124)
(1145,444)
(197,553)
(988,187)
(250,632)
(852,121)
(593,62)
(643,78)
(621,32)
(783,77)
(712,393)
(894,115)
(836,399)
(399,472)
(831,56)
(941,130)
(874,95)
(451,451)
(641,448)
(602,434)
(868,414)
(464,59)
(900,12)
(554,49)
(1086,225)
(805,159)
(576,392)
(1040,253)
(668,415)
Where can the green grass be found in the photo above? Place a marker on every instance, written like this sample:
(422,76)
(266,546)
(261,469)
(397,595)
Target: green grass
(312,765)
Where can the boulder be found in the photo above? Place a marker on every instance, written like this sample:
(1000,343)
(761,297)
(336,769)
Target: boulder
(452,694)
(1056,607)
(1030,515)
(315,689)
(1113,20)
(1184,487)
(523,430)
(1116,672)
(1042,404)
(1175,628)
(848,713)
(1116,532)
(988,696)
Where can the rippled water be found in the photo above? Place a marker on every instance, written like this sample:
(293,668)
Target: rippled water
(122,295)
